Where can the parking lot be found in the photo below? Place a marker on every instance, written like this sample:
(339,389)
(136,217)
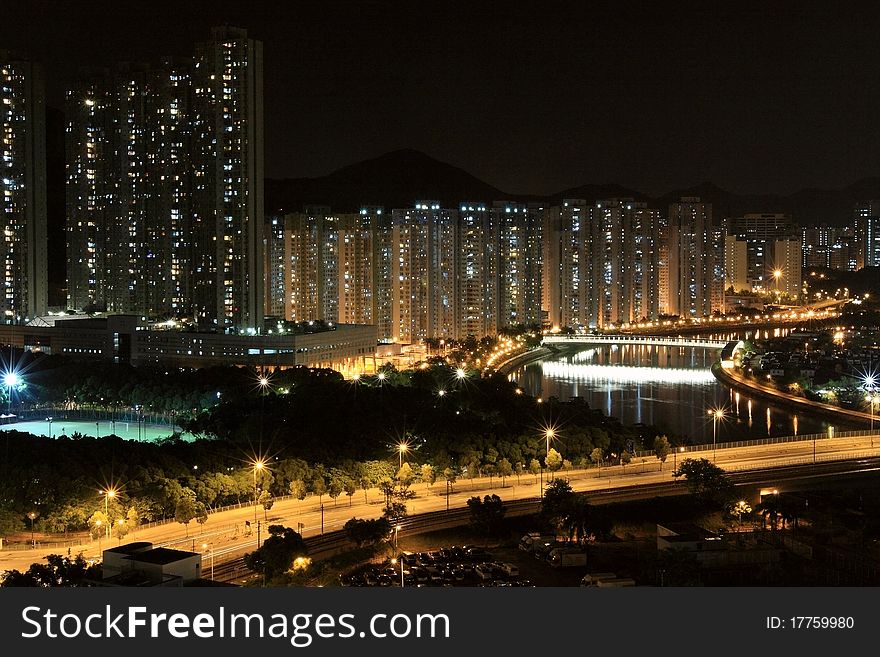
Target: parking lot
(464,565)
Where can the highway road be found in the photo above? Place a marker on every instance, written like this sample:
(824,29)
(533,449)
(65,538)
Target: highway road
(228,537)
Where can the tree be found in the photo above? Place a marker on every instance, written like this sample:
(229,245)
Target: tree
(267,501)
(557,501)
(451,476)
(350,487)
(276,554)
(319,487)
(336,485)
(298,489)
(10,523)
(504,470)
(367,532)
(58,572)
(596,456)
(518,470)
(662,449)
(706,481)
(429,475)
(535,468)
(186,510)
(625,458)
(98,524)
(405,474)
(132,519)
(486,514)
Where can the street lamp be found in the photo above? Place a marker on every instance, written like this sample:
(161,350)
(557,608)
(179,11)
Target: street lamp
(258,466)
(716,415)
(109,493)
(49,420)
(741,508)
(32,515)
(873,398)
(11,379)
(393,562)
(675,452)
(402,448)
(206,546)
(777,274)
(549,433)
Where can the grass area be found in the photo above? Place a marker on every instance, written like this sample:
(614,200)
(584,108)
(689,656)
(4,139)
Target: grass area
(94,428)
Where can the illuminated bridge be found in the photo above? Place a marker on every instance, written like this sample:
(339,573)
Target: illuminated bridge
(654,340)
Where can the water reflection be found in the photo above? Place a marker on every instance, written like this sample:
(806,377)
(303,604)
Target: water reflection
(670,387)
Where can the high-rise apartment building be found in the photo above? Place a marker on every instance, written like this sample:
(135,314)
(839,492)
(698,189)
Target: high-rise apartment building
(788,262)
(520,263)
(23,255)
(736,270)
(602,263)
(165,187)
(695,273)
(423,270)
(476,264)
(865,234)
(627,247)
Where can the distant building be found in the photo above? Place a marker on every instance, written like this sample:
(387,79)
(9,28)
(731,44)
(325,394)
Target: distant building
(787,258)
(22,190)
(760,231)
(735,264)
(866,222)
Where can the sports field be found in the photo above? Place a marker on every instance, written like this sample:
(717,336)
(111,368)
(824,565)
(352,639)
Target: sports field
(127,430)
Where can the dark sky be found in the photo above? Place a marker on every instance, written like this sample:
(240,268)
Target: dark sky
(763,97)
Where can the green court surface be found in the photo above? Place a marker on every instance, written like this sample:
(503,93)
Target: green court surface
(127,430)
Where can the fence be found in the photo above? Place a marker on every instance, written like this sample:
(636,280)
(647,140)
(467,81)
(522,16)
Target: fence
(58,413)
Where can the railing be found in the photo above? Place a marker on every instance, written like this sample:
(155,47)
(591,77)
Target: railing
(680,341)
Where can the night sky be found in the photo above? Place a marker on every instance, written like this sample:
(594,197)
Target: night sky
(764,97)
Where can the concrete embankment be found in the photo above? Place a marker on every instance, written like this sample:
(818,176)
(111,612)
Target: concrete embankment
(755,389)
(524,358)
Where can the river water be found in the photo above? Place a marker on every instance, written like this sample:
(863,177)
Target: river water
(668,387)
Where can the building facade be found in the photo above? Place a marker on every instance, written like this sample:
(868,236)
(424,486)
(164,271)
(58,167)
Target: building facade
(165,187)
(23,255)
(695,273)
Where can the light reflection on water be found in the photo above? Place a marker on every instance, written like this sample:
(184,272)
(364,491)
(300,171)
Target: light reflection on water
(670,387)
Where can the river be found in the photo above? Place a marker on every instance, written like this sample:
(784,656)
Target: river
(671,388)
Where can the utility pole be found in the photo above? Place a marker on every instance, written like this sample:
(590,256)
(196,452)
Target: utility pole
(322,518)
(258,534)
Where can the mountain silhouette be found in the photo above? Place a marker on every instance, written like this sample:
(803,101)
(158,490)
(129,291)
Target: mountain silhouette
(399,178)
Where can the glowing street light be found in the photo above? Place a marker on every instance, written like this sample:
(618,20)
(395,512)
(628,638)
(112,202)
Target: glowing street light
(402,448)
(394,562)
(108,495)
(207,546)
(258,467)
(742,508)
(873,399)
(460,373)
(32,515)
(716,415)
(11,380)
(777,274)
